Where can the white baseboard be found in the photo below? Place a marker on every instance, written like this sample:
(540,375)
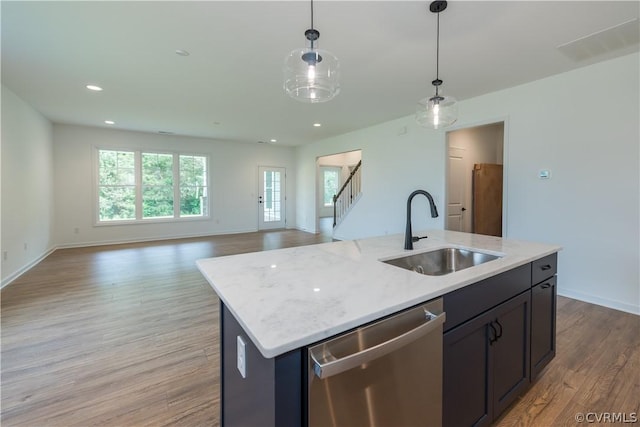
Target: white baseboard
(616,305)
(7,280)
(150,239)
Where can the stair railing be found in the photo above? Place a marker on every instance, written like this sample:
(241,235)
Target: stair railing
(347,195)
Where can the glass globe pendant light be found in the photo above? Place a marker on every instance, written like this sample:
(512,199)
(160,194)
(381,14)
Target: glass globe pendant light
(311,74)
(438,111)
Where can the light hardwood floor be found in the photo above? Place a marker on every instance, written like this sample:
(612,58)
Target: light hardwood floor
(127,335)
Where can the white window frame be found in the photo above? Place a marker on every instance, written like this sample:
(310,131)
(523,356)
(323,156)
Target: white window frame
(138,187)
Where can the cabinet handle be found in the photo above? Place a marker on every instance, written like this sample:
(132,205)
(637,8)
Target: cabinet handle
(499,333)
(495,334)
(545,285)
(545,267)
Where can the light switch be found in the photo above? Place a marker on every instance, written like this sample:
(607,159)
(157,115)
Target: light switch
(242,357)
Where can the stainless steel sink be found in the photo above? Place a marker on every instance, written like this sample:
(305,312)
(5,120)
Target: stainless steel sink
(441,261)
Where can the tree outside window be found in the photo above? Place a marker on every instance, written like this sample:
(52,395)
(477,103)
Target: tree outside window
(134,186)
(193,186)
(157,185)
(116,186)
(331,184)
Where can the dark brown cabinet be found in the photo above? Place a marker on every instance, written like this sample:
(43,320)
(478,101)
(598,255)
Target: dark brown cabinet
(486,363)
(543,313)
(510,350)
(499,334)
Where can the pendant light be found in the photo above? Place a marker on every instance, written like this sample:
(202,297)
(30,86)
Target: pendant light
(438,111)
(311,74)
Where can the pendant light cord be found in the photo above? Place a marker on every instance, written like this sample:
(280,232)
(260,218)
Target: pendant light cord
(312,40)
(437,50)
(312,14)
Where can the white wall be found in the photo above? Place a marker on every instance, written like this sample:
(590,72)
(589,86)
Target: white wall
(483,144)
(393,165)
(27,190)
(233,180)
(585,133)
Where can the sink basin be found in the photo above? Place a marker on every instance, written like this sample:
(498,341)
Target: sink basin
(441,261)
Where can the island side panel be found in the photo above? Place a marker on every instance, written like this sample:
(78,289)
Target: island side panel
(271,393)
(289,402)
(246,401)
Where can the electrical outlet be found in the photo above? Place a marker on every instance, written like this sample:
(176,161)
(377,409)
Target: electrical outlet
(5,255)
(25,246)
(242,357)
(76,230)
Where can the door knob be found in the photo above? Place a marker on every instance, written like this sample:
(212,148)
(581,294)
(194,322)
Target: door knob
(463,209)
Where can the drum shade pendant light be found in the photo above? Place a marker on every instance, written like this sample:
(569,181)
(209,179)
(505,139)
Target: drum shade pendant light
(438,111)
(311,74)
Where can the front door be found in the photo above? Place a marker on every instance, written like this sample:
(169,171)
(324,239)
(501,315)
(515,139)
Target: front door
(271,197)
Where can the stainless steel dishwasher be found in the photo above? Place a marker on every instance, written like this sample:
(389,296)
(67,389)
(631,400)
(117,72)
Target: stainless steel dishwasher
(386,374)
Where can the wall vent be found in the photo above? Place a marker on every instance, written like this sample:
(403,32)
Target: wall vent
(618,37)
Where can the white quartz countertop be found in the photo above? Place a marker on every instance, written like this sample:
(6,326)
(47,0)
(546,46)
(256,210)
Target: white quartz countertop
(290,298)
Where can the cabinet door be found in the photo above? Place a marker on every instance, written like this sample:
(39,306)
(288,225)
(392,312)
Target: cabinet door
(466,393)
(510,351)
(543,325)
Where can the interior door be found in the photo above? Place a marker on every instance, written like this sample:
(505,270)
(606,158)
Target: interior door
(271,197)
(456,190)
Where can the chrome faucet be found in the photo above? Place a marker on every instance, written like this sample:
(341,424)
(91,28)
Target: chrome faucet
(408,235)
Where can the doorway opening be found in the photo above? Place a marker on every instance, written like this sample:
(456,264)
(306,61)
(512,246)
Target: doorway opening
(475,180)
(332,172)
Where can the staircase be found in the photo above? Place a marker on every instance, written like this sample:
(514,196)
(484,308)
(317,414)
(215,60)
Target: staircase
(347,196)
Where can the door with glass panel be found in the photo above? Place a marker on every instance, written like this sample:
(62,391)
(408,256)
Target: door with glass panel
(271,197)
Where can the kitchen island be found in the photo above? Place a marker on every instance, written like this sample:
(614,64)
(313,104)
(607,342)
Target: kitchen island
(284,300)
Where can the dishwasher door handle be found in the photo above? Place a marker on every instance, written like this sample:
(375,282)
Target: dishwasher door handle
(337,366)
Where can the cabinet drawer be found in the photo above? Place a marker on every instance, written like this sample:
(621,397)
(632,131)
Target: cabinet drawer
(544,268)
(470,301)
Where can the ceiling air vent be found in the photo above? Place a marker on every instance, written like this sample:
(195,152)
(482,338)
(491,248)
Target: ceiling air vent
(618,37)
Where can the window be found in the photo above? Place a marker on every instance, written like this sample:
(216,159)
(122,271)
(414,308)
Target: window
(157,185)
(193,186)
(272,195)
(116,188)
(138,186)
(331,184)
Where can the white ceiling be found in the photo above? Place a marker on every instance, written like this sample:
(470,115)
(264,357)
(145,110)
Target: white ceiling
(230,87)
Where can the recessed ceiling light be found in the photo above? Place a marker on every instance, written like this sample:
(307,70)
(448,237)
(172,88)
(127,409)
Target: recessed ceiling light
(110,122)
(317,125)
(182,52)
(94,88)
(273,140)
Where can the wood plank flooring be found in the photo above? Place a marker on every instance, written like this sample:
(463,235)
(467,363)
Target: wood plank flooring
(596,370)
(127,335)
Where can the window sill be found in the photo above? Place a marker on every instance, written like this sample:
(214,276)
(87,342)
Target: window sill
(151,221)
